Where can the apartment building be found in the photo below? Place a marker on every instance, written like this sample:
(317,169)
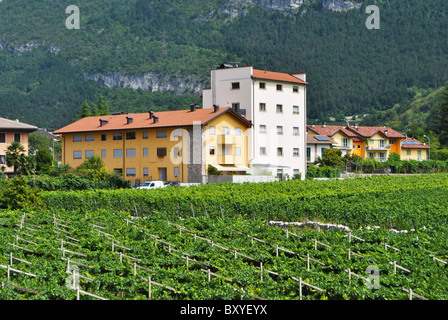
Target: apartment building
(167,146)
(275,103)
(10,131)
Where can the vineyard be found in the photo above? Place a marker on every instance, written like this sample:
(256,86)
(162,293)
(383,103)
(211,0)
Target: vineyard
(375,238)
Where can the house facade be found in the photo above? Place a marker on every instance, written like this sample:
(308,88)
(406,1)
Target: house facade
(275,103)
(10,131)
(167,146)
(372,142)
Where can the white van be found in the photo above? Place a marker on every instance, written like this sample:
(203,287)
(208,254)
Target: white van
(152,185)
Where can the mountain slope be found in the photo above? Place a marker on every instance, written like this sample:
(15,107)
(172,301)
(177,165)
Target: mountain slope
(46,69)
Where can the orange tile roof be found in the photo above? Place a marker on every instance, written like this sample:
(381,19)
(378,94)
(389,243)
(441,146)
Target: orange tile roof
(413,144)
(331,130)
(368,132)
(179,118)
(276,76)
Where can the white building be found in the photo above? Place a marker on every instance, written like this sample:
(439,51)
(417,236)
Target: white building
(276,104)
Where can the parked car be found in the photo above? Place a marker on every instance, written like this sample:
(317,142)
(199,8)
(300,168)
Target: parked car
(152,185)
(173,184)
(136,185)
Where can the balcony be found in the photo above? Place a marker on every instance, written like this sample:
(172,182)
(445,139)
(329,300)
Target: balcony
(378,148)
(226,139)
(226,159)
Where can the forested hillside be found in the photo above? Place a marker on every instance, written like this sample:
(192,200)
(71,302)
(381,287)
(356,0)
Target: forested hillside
(45,67)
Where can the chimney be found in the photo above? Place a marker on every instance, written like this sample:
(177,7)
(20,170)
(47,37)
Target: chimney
(155,119)
(386,132)
(129,120)
(103,122)
(151,114)
(193,107)
(356,127)
(216,108)
(324,125)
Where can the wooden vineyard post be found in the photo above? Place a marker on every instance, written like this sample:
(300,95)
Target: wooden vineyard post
(192,209)
(261,271)
(307,261)
(205,210)
(222,214)
(149,287)
(208,275)
(187,262)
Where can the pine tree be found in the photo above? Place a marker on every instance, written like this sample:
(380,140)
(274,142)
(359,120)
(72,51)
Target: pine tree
(85,110)
(441,120)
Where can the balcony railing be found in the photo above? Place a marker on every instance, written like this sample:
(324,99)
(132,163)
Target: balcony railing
(378,148)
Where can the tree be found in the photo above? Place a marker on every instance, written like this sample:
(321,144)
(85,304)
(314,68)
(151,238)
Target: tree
(14,153)
(441,119)
(331,158)
(93,163)
(44,161)
(85,110)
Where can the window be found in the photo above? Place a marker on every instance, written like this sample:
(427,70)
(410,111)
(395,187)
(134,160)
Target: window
(118,136)
(382,143)
(295,152)
(161,134)
(392,142)
(279,130)
(130,135)
(118,153)
(235,106)
(3,159)
(145,152)
(176,152)
(212,151)
(262,85)
(238,151)
(130,153)
(237,131)
(419,154)
(103,137)
(263,151)
(161,152)
(295,109)
(372,154)
(408,152)
(262,106)
(77,154)
(119,171)
(295,89)
(89,154)
(130,172)
(103,154)
(2,137)
(77,138)
(359,146)
(323,151)
(262,128)
(235,85)
(279,108)
(145,172)
(295,131)
(177,133)
(279,87)
(225,131)
(176,172)
(17,137)
(295,172)
(308,154)
(226,151)
(90,137)
(279,152)
(279,173)
(211,130)
(145,134)
(345,142)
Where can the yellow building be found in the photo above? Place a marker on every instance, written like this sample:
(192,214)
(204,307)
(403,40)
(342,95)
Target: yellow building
(412,149)
(11,131)
(168,146)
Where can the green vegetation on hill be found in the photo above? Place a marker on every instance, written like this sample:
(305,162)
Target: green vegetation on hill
(351,70)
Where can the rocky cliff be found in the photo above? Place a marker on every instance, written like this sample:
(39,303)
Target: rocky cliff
(151,81)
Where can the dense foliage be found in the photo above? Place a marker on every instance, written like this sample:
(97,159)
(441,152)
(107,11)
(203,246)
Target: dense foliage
(351,70)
